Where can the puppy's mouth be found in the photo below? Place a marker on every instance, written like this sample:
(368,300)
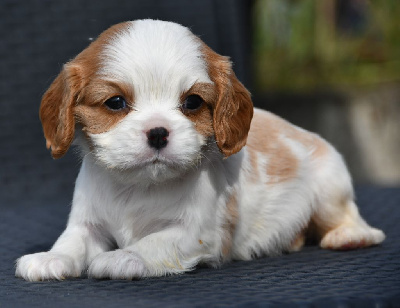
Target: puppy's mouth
(156,161)
(164,162)
(159,160)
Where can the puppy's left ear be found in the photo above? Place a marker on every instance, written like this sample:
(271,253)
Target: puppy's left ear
(233,109)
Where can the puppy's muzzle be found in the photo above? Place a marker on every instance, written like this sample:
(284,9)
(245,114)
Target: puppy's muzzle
(157,137)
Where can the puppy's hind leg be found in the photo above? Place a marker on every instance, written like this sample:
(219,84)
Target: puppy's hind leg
(341,227)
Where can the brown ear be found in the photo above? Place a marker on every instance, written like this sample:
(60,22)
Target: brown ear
(233,110)
(57,110)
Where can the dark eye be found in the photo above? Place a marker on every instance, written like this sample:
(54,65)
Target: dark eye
(116,103)
(192,102)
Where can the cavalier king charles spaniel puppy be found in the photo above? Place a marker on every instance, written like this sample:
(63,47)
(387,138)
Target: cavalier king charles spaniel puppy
(178,168)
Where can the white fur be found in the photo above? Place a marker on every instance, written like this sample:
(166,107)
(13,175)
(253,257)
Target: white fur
(165,211)
(167,62)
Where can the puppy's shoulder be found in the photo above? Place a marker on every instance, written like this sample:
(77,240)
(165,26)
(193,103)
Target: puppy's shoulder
(268,132)
(266,121)
(268,128)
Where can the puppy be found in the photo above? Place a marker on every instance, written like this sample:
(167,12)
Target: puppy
(179,168)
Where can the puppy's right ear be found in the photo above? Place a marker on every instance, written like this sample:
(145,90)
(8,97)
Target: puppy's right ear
(57,110)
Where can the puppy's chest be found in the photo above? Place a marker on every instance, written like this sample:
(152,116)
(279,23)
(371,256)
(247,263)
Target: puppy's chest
(130,217)
(134,228)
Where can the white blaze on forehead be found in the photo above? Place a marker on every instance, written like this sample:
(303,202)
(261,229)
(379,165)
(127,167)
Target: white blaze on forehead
(159,59)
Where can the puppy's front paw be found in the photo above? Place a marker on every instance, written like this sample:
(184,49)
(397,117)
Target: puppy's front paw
(118,264)
(46,266)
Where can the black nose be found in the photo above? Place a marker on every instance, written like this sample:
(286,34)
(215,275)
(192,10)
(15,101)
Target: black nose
(157,137)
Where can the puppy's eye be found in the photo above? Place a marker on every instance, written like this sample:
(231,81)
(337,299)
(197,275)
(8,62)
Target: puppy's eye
(192,102)
(116,103)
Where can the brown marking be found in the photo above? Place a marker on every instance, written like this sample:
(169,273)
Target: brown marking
(265,136)
(200,242)
(91,112)
(202,118)
(282,165)
(96,120)
(98,91)
(232,217)
(58,110)
(233,109)
(206,91)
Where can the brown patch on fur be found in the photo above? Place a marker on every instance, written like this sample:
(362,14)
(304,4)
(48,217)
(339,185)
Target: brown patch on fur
(265,136)
(98,91)
(233,109)
(202,118)
(58,110)
(206,91)
(282,165)
(93,115)
(97,120)
(232,217)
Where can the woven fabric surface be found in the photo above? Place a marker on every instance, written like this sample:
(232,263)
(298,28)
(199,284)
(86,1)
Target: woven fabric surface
(310,278)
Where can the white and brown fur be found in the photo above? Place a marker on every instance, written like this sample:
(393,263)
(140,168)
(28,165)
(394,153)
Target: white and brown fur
(233,182)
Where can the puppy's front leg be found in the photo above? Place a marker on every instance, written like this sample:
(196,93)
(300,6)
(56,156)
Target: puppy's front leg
(67,258)
(166,252)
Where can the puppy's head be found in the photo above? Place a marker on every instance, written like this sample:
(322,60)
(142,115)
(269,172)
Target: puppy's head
(148,95)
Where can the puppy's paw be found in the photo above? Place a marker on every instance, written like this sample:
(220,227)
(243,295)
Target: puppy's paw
(352,237)
(46,266)
(118,264)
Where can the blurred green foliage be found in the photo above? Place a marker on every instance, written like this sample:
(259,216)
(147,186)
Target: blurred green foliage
(308,44)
